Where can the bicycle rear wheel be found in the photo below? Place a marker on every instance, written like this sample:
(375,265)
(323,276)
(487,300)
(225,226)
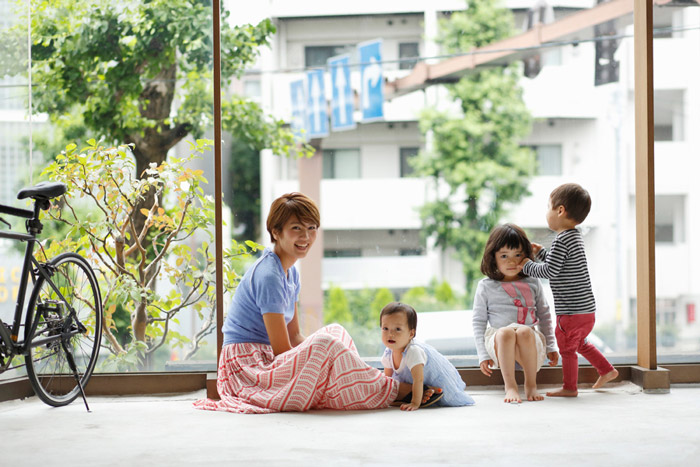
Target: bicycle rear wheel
(47,362)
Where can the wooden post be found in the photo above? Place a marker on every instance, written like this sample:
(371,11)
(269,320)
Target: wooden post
(644,180)
(218,188)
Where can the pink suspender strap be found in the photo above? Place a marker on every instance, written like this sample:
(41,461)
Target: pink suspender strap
(526,293)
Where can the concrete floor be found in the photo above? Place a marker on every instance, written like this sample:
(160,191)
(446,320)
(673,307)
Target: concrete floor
(618,426)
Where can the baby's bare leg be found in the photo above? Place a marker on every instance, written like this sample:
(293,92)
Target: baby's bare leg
(526,355)
(505,351)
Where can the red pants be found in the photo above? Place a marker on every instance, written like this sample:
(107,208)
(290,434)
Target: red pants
(571,333)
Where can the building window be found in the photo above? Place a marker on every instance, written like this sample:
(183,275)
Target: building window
(406,154)
(552,57)
(408,50)
(670,218)
(344,253)
(668,115)
(252,89)
(341,163)
(549,159)
(13,160)
(318,55)
(668,24)
(372,243)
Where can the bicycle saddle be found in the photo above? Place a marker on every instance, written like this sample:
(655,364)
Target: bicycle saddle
(43,191)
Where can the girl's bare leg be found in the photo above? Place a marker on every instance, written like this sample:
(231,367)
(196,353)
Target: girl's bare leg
(505,351)
(526,355)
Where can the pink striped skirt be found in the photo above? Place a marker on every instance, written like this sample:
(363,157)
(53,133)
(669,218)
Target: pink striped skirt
(323,372)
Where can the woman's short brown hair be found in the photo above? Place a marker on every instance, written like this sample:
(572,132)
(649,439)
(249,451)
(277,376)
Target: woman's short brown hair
(292,205)
(509,236)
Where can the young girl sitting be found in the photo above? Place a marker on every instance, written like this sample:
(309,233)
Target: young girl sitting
(417,363)
(512,305)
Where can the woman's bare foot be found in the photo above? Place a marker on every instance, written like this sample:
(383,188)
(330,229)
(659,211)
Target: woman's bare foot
(602,379)
(532,394)
(512,396)
(563,393)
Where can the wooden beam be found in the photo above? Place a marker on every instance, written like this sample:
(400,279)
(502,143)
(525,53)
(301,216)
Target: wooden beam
(218,177)
(644,182)
(577,26)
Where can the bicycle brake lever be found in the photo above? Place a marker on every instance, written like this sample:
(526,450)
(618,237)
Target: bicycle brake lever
(6,223)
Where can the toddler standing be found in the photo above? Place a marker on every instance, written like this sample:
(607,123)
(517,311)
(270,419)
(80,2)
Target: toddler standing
(567,270)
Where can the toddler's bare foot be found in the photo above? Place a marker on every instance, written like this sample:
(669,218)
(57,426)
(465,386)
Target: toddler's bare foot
(532,394)
(563,393)
(512,396)
(602,379)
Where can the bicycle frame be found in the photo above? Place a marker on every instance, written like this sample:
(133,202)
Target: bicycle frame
(30,267)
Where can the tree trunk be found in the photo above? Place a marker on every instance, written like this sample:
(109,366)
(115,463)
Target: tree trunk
(139,321)
(151,145)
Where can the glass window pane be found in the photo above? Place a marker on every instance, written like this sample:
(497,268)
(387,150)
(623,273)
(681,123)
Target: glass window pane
(160,107)
(407,223)
(341,163)
(16,165)
(408,50)
(676,43)
(347,163)
(406,154)
(548,159)
(318,55)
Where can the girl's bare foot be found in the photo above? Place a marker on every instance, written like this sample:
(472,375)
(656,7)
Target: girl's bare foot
(512,396)
(602,379)
(563,393)
(532,394)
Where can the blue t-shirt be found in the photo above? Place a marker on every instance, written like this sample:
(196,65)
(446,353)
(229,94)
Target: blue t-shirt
(264,289)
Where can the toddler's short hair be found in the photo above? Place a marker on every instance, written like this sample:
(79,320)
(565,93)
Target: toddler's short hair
(398,307)
(575,200)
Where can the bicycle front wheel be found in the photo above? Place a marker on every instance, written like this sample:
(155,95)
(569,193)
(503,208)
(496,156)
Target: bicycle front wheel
(54,329)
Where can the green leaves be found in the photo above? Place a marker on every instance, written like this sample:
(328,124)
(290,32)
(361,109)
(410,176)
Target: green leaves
(140,72)
(135,267)
(476,157)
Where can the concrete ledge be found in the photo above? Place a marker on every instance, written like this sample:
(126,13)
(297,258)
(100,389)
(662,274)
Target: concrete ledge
(656,381)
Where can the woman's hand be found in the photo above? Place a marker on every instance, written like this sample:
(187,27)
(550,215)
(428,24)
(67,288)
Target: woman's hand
(485,367)
(277,332)
(295,335)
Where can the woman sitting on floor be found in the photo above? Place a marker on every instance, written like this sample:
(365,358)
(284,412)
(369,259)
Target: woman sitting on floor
(266,364)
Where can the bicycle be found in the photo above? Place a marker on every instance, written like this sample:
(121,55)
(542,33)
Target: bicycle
(63,318)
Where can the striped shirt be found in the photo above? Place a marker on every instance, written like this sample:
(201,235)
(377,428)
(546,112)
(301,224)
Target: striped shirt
(567,270)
